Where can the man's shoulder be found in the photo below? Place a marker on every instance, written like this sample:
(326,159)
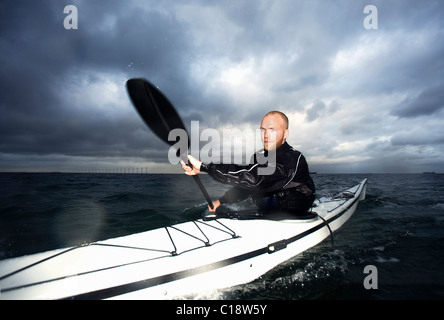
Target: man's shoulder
(290,149)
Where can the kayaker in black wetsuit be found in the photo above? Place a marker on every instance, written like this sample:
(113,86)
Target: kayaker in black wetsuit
(288,188)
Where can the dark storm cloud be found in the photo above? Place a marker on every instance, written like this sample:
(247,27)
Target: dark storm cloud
(40,59)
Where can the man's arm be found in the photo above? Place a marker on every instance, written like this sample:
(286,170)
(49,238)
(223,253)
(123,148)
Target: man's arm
(248,177)
(242,176)
(235,194)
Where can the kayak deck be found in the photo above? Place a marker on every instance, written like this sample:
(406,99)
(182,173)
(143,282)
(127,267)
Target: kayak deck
(173,260)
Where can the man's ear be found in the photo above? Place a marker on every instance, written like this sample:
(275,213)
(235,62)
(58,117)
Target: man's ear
(286,133)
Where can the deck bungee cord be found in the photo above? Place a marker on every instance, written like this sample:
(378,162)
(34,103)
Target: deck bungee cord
(206,243)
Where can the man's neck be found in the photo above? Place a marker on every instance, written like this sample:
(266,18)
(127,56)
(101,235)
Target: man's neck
(281,147)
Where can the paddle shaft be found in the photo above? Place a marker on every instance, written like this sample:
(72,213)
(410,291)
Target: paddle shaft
(205,193)
(198,182)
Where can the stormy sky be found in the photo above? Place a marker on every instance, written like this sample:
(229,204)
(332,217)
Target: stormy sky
(359,99)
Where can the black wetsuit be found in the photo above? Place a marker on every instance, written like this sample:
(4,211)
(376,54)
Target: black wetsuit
(289,188)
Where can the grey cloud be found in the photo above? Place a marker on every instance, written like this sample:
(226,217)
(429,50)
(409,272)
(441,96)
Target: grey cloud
(428,102)
(314,111)
(419,137)
(320,109)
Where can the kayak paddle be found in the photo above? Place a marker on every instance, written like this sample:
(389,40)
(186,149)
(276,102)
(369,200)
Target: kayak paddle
(159,115)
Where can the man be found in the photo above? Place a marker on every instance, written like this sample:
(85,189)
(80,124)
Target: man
(288,188)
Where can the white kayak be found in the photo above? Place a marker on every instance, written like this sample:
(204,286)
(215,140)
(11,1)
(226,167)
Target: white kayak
(174,261)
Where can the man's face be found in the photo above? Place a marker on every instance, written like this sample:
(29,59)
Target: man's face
(273,131)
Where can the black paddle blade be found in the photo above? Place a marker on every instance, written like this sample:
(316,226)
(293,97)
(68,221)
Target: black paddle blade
(159,114)
(154,108)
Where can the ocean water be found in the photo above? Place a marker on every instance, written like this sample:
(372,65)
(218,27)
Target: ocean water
(398,229)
